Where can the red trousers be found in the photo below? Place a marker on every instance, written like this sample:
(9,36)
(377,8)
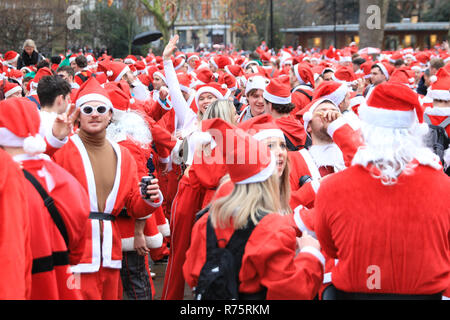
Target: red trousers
(101,285)
(186,204)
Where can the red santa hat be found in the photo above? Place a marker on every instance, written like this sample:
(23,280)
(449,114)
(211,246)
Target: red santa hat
(278,91)
(220,61)
(11,88)
(331,90)
(130,59)
(344,74)
(403,75)
(247,159)
(91,90)
(304,74)
(116,70)
(43,72)
(392,105)
(11,56)
(228,80)
(440,86)
(19,125)
(312,106)
(262,127)
(178,62)
(184,80)
(256,82)
(386,69)
(203,76)
(235,70)
(161,74)
(192,55)
(216,89)
(119,95)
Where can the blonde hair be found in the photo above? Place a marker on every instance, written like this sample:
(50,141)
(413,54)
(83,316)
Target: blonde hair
(247,201)
(29,43)
(285,189)
(222,109)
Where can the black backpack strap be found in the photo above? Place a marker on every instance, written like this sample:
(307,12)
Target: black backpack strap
(211,239)
(305,93)
(50,204)
(82,77)
(33,99)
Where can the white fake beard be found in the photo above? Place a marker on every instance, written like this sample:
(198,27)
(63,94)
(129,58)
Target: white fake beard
(327,155)
(130,125)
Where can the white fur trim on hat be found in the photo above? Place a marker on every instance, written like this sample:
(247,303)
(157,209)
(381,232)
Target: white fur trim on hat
(264,174)
(122,73)
(387,118)
(269,133)
(439,94)
(383,69)
(12,91)
(211,90)
(256,82)
(276,99)
(159,74)
(338,95)
(93,97)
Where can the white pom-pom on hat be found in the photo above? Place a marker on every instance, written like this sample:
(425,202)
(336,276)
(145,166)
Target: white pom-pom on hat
(433,79)
(33,145)
(109,73)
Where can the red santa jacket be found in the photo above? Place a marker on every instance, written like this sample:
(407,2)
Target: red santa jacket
(15,246)
(269,261)
(55,280)
(388,239)
(125,193)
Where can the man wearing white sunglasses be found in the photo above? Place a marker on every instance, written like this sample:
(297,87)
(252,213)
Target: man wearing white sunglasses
(109,174)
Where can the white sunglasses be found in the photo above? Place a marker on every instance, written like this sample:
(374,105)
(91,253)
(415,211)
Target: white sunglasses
(88,110)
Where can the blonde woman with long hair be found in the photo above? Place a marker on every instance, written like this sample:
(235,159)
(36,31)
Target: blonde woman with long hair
(195,190)
(275,264)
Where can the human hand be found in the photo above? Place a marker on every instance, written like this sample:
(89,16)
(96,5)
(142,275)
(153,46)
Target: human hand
(163,93)
(140,244)
(152,190)
(64,123)
(170,47)
(307,241)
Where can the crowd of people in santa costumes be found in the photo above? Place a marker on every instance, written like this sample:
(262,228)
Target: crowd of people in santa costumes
(335,163)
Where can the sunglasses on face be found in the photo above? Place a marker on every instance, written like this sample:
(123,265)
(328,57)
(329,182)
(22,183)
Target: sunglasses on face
(88,110)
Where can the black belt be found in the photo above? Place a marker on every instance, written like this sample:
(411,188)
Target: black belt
(342,295)
(101,216)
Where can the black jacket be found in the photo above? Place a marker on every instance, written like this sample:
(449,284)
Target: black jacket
(25,60)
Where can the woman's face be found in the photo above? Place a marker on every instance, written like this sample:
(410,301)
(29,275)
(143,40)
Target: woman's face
(29,50)
(204,100)
(279,149)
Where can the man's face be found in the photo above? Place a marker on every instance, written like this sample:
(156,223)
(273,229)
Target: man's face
(74,65)
(94,123)
(62,102)
(256,102)
(65,76)
(376,76)
(316,127)
(157,82)
(192,62)
(129,77)
(292,78)
(327,76)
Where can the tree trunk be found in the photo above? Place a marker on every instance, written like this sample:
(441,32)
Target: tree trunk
(372,18)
